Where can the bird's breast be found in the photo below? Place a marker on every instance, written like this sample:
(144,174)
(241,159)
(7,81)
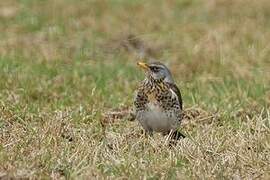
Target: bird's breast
(154,107)
(157,119)
(152,98)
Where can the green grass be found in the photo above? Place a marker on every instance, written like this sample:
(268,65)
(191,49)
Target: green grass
(63,66)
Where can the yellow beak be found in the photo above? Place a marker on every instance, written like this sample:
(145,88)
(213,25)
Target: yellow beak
(143,65)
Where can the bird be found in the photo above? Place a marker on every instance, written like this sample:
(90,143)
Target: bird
(158,102)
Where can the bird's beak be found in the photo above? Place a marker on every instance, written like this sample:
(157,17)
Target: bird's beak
(143,65)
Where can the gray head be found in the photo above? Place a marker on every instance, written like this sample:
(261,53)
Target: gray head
(157,71)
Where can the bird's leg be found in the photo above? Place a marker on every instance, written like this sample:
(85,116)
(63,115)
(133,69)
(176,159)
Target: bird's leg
(174,136)
(147,133)
(150,133)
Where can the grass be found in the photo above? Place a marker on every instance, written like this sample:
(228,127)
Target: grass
(64,64)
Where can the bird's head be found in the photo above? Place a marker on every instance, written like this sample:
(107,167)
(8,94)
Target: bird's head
(156,71)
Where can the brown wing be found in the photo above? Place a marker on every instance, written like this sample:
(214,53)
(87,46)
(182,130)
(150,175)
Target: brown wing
(178,93)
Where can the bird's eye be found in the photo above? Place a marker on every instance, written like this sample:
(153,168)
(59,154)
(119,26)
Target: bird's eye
(154,69)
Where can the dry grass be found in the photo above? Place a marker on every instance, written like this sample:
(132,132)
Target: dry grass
(68,73)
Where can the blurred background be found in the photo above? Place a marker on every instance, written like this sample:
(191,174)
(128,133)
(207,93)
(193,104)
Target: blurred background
(78,58)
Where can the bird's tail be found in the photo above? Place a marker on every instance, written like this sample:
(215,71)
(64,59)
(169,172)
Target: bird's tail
(176,135)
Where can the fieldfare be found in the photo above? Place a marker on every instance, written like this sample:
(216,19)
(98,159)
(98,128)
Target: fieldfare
(158,101)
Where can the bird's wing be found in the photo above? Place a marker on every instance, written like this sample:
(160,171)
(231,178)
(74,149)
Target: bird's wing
(175,89)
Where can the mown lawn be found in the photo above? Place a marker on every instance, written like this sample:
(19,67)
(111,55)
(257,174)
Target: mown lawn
(66,66)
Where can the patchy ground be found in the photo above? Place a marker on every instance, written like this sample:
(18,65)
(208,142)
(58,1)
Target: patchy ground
(68,73)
